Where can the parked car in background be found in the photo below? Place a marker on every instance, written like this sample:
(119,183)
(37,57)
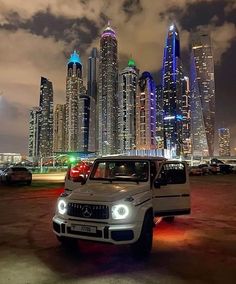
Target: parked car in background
(16,174)
(206,170)
(232,163)
(76,173)
(195,171)
(217,166)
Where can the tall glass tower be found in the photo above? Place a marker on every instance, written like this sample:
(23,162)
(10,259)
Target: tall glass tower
(128,80)
(93,98)
(34,133)
(146,113)
(172,98)
(107,95)
(202,96)
(186,130)
(46,118)
(74,86)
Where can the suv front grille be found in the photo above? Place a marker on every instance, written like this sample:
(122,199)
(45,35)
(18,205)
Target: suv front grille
(89,211)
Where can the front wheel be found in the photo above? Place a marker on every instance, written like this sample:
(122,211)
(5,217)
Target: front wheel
(143,246)
(67,242)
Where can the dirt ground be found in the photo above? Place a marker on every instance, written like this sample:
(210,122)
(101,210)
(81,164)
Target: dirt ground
(199,248)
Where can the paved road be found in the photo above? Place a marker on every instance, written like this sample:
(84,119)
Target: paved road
(200,248)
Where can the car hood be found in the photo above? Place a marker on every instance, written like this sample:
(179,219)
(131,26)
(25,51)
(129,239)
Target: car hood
(107,192)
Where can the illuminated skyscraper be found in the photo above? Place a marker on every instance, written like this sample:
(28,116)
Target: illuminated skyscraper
(146,113)
(84,121)
(172,93)
(224,142)
(202,96)
(107,95)
(74,85)
(59,128)
(186,129)
(93,97)
(159,118)
(46,118)
(34,133)
(128,80)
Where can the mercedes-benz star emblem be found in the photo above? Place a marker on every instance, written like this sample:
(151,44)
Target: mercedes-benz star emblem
(86,211)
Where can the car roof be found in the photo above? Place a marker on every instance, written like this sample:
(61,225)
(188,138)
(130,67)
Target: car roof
(130,158)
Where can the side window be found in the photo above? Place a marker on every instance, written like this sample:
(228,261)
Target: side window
(173,173)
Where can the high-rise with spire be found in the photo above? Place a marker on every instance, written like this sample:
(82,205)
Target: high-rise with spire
(74,85)
(107,95)
(202,96)
(128,80)
(172,94)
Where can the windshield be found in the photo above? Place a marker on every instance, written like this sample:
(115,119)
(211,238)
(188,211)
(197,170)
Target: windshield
(120,170)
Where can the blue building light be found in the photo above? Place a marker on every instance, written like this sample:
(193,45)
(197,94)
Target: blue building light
(179,117)
(74,58)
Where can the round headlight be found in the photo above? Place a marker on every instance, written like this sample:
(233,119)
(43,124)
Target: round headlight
(61,206)
(119,211)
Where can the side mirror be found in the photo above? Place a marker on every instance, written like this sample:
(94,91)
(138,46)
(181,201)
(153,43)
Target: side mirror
(159,182)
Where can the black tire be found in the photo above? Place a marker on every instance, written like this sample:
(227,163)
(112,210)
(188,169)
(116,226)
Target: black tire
(169,219)
(143,246)
(29,182)
(67,242)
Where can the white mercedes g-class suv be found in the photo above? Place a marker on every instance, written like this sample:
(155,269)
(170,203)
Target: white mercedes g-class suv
(119,200)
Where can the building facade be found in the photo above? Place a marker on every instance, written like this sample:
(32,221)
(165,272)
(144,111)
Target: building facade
(74,87)
(33,146)
(107,95)
(159,118)
(92,88)
(59,128)
(202,96)
(172,94)
(146,113)
(186,127)
(128,80)
(224,142)
(46,118)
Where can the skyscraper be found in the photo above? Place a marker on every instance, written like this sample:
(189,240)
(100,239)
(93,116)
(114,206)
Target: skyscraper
(34,133)
(224,142)
(202,96)
(83,121)
(74,85)
(186,129)
(159,118)
(172,95)
(93,98)
(107,95)
(59,128)
(146,113)
(128,80)
(46,118)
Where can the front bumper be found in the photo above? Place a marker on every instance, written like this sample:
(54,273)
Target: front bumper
(99,232)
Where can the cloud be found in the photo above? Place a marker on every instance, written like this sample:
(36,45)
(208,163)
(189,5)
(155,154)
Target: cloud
(222,38)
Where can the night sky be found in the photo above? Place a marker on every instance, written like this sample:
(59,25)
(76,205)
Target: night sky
(37,37)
